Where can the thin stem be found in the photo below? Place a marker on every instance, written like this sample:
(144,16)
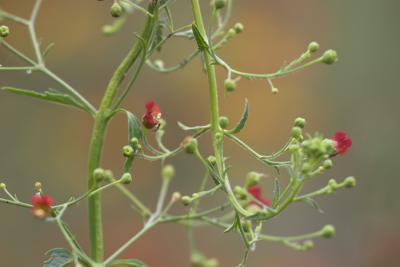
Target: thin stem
(32,32)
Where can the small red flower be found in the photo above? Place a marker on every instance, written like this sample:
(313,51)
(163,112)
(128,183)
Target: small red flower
(41,206)
(341,142)
(151,119)
(256,191)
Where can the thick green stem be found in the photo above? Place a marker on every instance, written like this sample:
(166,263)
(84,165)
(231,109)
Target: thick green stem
(98,135)
(213,94)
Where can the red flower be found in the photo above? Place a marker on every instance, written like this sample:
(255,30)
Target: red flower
(151,119)
(41,206)
(341,142)
(256,191)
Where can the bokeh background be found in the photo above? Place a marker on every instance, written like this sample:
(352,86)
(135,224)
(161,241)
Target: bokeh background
(360,94)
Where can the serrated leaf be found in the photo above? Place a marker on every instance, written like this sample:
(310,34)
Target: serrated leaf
(243,119)
(134,127)
(59,257)
(313,204)
(201,42)
(276,191)
(129,263)
(193,128)
(51,96)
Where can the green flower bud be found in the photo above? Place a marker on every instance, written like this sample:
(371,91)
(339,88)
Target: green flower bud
(231,33)
(308,245)
(176,196)
(219,137)
(328,231)
(230,85)
(99,174)
(329,57)
(108,175)
(159,64)
(240,192)
(189,145)
(116,10)
(350,182)
(195,195)
(313,47)
(293,148)
(3,186)
(168,172)
(238,27)
(274,90)
(127,151)
(328,164)
(296,132)
(212,160)
(134,142)
(126,178)
(223,122)
(219,4)
(300,122)
(332,185)
(186,200)
(252,179)
(211,263)
(4,31)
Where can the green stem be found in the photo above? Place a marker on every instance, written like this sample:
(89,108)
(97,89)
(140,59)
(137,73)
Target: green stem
(98,135)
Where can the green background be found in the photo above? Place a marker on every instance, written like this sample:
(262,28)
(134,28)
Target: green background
(359,95)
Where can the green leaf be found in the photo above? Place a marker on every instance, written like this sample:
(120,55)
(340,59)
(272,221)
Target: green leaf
(134,127)
(59,257)
(130,263)
(277,192)
(243,119)
(201,42)
(313,204)
(51,96)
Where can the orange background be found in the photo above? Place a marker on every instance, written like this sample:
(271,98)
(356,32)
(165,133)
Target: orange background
(359,95)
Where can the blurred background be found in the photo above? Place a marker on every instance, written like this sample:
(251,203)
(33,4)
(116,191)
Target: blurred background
(359,95)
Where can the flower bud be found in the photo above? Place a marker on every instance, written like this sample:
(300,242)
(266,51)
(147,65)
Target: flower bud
(99,174)
(252,179)
(108,175)
(231,33)
(296,132)
(134,142)
(219,4)
(219,137)
(274,90)
(223,122)
(126,178)
(3,186)
(38,187)
(350,182)
(308,245)
(212,160)
(240,192)
(176,196)
(300,122)
(127,151)
(230,85)
(211,263)
(189,145)
(328,231)
(328,164)
(4,31)
(186,200)
(116,10)
(329,57)
(168,172)
(159,64)
(313,47)
(238,27)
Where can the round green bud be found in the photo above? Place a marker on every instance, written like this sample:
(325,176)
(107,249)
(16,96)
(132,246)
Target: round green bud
(350,182)
(127,151)
(240,192)
(219,137)
(116,10)
(313,47)
(108,175)
(328,164)
(230,85)
(186,200)
(274,90)
(126,178)
(4,31)
(2,186)
(238,27)
(168,172)
(134,141)
(329,57)
(293,148)
(308,245)
(300,122)
(159,64)
(108,29)
(306,168)
(328,231)
(212,160)
(176,196)
(211,263)
(231,33)
(219,4)
(296,132)
(252,179)
(98,174)
(223,122)
(189,145)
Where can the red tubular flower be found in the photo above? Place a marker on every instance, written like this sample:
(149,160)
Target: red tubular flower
(256,191)
(341,142)
(151,119)
(41,206)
